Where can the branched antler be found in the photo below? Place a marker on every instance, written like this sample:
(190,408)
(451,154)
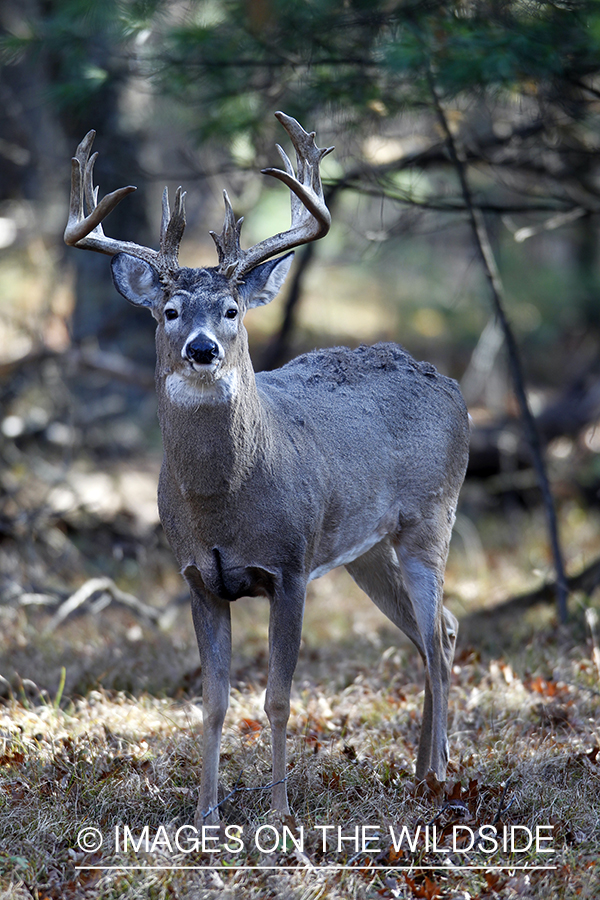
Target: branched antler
(310,217)
(228,242)
(85,231)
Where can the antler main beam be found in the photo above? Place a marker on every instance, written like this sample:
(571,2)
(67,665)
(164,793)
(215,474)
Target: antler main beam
(311,219)
(86,232)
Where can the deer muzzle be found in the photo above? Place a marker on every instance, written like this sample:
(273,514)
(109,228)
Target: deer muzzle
(202,351)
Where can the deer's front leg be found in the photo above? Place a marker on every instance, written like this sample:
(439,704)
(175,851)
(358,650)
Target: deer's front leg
(212,622)
(285,629)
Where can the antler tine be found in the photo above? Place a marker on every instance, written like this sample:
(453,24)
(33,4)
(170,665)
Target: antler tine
(172,228)
(295,202)
(228,245)
(85,231)
(311,219)
(90,192)
(166,215)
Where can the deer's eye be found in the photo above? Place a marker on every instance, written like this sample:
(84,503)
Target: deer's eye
(231,313)
(171,313)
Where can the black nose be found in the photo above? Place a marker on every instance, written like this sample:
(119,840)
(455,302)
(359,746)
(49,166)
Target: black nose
(201,350)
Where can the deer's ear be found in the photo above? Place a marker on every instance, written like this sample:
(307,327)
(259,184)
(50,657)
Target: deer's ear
(136,280)
(264,282)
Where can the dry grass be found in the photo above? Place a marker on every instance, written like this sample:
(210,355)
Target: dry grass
(523,735)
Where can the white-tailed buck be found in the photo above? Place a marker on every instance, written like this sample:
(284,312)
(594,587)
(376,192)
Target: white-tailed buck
(341,458)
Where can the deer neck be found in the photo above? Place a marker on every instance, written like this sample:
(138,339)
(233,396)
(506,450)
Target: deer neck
(213,435)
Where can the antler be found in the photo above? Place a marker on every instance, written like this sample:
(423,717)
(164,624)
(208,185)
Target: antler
(85,231)
(310,217)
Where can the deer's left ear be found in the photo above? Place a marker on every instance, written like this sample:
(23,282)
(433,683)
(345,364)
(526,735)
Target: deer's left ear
(264,282)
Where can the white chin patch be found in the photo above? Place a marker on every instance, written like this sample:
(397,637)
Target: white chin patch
(190,390)
(205,371)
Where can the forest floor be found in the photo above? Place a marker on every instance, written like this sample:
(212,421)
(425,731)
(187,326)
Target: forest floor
(100,723)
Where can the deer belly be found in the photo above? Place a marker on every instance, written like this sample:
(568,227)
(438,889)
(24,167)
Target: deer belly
(346,556)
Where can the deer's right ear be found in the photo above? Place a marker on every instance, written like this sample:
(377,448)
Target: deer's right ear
(136,280)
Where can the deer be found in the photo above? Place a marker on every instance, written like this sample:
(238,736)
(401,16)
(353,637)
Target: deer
(341,457)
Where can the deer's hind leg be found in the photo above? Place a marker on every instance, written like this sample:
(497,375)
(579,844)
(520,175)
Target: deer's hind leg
(378,572)
(422,553)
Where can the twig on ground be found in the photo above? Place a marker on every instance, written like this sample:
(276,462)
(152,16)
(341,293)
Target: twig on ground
(100,586)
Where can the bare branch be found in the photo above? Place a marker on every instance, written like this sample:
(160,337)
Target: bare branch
(497,292)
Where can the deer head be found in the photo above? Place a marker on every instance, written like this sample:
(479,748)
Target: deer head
(200,335)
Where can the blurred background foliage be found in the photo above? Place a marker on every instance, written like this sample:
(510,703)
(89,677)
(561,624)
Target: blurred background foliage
(184,92)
